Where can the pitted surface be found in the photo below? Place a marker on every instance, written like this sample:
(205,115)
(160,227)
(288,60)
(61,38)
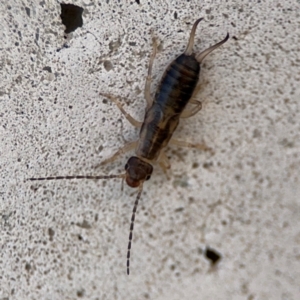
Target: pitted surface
(68,239)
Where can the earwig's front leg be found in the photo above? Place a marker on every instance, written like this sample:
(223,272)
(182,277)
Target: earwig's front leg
(131,120)
(191,112)
(147,91)
(127,147)
(203,147)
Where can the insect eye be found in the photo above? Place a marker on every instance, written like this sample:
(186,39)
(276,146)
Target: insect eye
(148,177)
(126,166)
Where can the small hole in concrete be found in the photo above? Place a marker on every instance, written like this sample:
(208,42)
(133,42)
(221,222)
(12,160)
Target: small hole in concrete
(212,255)
(80,293)
(71,16)
(27,267)
(107,65)
(51,233)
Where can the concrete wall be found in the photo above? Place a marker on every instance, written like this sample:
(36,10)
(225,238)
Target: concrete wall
(68,239)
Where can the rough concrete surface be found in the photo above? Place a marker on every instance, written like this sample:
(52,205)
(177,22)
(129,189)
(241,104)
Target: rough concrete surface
(68,239)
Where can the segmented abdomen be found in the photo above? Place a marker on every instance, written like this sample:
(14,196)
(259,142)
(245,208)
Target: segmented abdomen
(173,94)
(178,83)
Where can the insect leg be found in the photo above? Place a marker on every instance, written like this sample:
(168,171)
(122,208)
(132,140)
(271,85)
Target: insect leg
(164,163)
(127,147)
(203,147)
(191,112)
(131,120)
(147,91)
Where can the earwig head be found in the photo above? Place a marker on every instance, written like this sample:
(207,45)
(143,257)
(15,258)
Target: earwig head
(137,171)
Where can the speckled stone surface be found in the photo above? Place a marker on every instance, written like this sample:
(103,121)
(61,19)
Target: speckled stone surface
(68,239)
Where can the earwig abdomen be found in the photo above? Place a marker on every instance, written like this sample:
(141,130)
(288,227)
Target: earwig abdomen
(174,92)
(178,84)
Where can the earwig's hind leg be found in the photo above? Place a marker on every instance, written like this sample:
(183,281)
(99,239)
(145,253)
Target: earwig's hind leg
(191,112)
(203,147)
(202,55)
(164,163)
(127,147)
(147,91)
(131,120)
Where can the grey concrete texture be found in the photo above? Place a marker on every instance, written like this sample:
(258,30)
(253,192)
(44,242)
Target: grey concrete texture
(67,239)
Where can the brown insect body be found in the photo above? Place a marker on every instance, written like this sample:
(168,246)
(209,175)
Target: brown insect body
(162,117)
(172,96)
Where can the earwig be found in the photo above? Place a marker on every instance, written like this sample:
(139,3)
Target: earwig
(163,112)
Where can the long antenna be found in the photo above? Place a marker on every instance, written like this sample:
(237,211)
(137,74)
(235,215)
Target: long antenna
(132,225)
(78,177)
